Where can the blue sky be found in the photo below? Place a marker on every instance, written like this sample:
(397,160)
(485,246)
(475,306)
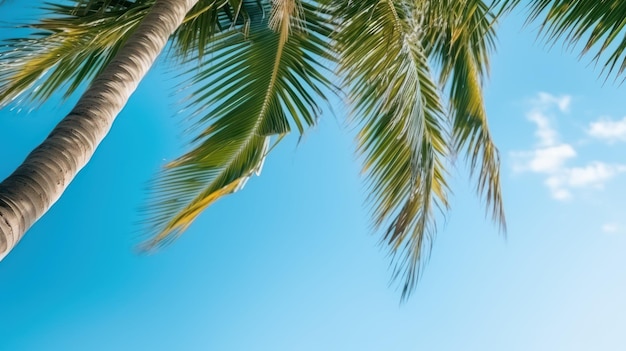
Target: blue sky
(289,263)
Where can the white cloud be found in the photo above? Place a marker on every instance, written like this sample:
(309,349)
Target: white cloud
(608,130)
(546,100)
(543,160)
(610,228)
(595,174)
(550,156)
(545,133)
(550,159)
(561,194)
(557,190)
(539,114)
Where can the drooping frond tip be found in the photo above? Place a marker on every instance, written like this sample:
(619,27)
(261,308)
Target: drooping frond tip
(257,87)
(461,46)
(403,135)
(185,213)
(408,138)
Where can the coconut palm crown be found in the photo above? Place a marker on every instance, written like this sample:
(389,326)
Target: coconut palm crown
(412,72)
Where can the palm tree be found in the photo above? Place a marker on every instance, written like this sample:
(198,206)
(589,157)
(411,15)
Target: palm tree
(412,71)
(41,179)
(268,73)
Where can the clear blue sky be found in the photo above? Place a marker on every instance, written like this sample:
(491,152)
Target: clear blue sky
(289,263)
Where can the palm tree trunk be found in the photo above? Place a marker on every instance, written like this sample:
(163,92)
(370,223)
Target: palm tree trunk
(41,179)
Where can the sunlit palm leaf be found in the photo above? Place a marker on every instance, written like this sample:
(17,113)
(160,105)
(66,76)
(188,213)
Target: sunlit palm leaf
(459,36)
(204,21)
(595,24)
(77,40)
(66,49)
(259,69)
(253,88)
(403,136)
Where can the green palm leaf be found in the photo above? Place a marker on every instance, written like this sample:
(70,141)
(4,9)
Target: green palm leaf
(255,87)
(460,36)
(259,69)
(76,41)
(595,24)
(202,23)
(66,49)
(403,133)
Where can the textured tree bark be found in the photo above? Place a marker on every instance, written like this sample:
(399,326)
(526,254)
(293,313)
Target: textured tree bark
(45,173)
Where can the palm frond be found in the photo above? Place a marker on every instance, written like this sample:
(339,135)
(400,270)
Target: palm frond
(67,48)
(77,40)
(595,24)
(255,86)
(459,36)
(403,127)
(202,23)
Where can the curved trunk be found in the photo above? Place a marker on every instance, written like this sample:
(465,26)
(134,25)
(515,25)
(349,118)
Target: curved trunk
(41,179)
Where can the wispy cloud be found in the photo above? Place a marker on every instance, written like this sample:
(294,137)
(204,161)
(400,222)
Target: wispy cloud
(544,100)
(543,160)
(550,156)
(608,130)
(610,228)
(545,133)
(594,175)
